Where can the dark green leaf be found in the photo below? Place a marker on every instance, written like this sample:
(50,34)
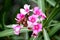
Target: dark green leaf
(54,29)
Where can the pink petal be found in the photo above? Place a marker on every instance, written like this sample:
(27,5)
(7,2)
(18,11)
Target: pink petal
(16,29)
(37,27)
(35,32)
(19,17)
(36,11)
(42,15)
(33,18)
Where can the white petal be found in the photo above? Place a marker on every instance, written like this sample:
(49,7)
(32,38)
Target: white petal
(29,24)
(22,11)
(26,6)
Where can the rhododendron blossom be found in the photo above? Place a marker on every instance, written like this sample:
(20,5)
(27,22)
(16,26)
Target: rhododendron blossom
(31,22)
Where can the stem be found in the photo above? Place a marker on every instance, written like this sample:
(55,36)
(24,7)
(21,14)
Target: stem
(26,34)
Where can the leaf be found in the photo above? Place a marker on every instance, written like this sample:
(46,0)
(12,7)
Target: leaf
(46,36)
(0,26)
(32,38)
(51,2)
(34,1)
(57,37)
(52,15)
(10,26)
(41,4)
(52,21)
(26,36)
(54,29)
(8,32)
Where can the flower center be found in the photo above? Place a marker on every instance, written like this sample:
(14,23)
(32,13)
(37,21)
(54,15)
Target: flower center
(27,10)
(22,16)
(36,27)
(37,12)
(33,20)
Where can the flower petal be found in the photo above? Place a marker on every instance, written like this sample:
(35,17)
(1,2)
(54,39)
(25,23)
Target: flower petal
(22,11)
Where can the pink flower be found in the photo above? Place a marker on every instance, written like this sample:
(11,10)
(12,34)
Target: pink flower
(33,18)
(16,29)
(36,11)
(37,28)
(26,7)
(19,17)
(42,16)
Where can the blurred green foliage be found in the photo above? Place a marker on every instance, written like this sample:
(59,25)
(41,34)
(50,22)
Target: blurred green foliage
(51,26)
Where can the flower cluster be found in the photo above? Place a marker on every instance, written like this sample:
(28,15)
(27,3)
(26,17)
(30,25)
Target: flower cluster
(29,20)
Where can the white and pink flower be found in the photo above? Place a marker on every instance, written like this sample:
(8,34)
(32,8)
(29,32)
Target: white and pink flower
(36,11)
(36,29)
(27,8)
(33,18)
(16,29)
(39,12)
(43,16)
(32,21)
(22,11)
(19,17)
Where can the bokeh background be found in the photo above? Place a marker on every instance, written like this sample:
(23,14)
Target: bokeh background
(10,8)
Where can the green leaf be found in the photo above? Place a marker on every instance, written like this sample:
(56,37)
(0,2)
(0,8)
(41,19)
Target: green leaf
(54,29)
(8,32)
(11,26)
(0,26)
(26,36)
(41,4)
(34,1)
(51,2)
(57,37)
(46,36)
(52,15)
(52,21)
(32,38)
